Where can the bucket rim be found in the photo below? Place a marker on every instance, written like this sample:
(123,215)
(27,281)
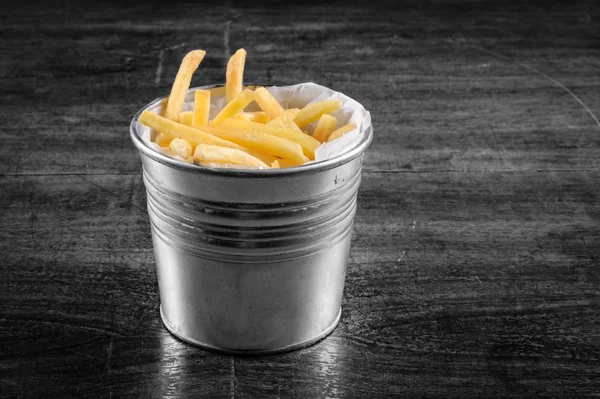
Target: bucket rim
(314,167)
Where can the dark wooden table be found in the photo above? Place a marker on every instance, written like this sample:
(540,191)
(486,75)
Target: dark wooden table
(474,268)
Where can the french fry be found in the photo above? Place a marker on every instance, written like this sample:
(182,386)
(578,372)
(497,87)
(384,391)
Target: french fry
(175,129)
(210,164)
(288,163)
(341,131)
(260,141)
(185,118)
(236,106)
(218,91)
(163,140)
(195,136)
(215,153)
(163,106)
(307,143)
(222,165)
(272,137)
(286,119)
(181,147)
(312,112)
(266,158)
(201,107)
(268,103)
(181,85)
(325,126)
(257,116)
(235,74)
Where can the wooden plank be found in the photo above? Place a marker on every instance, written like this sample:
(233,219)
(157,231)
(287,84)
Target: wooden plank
(58,359)
(474,261)
(79,314)
(458,281)
(465,102)
(46,212)
(340,367)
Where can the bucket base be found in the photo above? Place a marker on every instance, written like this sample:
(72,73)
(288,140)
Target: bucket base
(273,351)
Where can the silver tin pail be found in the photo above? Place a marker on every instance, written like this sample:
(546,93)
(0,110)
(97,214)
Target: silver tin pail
(250,261)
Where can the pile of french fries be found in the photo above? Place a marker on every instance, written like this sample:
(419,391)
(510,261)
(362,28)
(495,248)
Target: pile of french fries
(271,138)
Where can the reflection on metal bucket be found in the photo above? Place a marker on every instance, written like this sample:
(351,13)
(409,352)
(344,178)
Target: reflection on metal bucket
(251,261)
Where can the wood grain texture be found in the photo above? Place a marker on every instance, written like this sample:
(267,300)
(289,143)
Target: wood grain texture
(471,289)
(474,269)
(450,87)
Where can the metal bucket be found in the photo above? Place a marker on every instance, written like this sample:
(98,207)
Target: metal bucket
(250,261)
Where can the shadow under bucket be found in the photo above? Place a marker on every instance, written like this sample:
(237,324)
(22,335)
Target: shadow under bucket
(250,261)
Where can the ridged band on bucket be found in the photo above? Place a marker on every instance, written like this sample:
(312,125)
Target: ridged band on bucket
(247,234)
(251,261)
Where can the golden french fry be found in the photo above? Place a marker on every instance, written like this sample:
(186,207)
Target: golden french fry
(201,107)
(308,143)
(259,141)
(273,137)
(257,116)
(235,74)
(266,158)
(181,85)
(236,106)
(312,112)
(268,103)
(286,119)
(163,140)
(175,129)
(206,163)
(211,164)
(181,147)
(163,106)
(341,131)
(228,165)
(218,91)
(215,153)
(185,117)
(325,126)
(288,163)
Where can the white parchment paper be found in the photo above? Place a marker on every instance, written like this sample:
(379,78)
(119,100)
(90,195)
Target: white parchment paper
(296,96)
